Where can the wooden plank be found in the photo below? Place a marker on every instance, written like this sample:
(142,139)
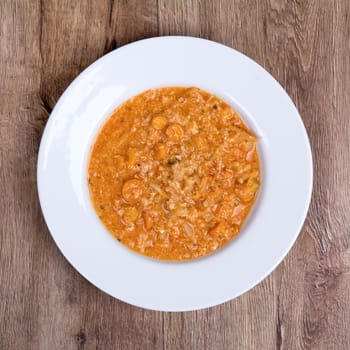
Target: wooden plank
(89,319)
(19,72)
(235,324)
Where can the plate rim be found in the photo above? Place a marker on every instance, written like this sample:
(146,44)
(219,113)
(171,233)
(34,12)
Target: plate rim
(76,81)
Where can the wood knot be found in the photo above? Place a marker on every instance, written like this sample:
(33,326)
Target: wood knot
(81,337)
(325,279)
(45,105)
(110,45)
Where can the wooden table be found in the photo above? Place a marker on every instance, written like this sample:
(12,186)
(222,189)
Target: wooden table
(46,304)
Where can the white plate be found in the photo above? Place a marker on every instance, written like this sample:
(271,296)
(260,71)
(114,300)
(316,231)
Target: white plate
(270,230)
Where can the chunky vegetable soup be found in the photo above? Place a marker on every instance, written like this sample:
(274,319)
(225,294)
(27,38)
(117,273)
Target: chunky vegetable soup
(173,173)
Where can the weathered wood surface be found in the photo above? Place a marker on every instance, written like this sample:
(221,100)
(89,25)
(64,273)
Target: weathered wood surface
(46,304)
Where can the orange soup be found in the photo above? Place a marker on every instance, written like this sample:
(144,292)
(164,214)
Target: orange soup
(173,173)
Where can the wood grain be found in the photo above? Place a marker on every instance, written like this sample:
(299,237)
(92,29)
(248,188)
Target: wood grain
(303,304)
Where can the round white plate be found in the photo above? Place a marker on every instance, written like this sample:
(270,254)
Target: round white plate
(271,228)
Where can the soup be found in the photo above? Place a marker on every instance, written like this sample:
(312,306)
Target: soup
(173,173)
